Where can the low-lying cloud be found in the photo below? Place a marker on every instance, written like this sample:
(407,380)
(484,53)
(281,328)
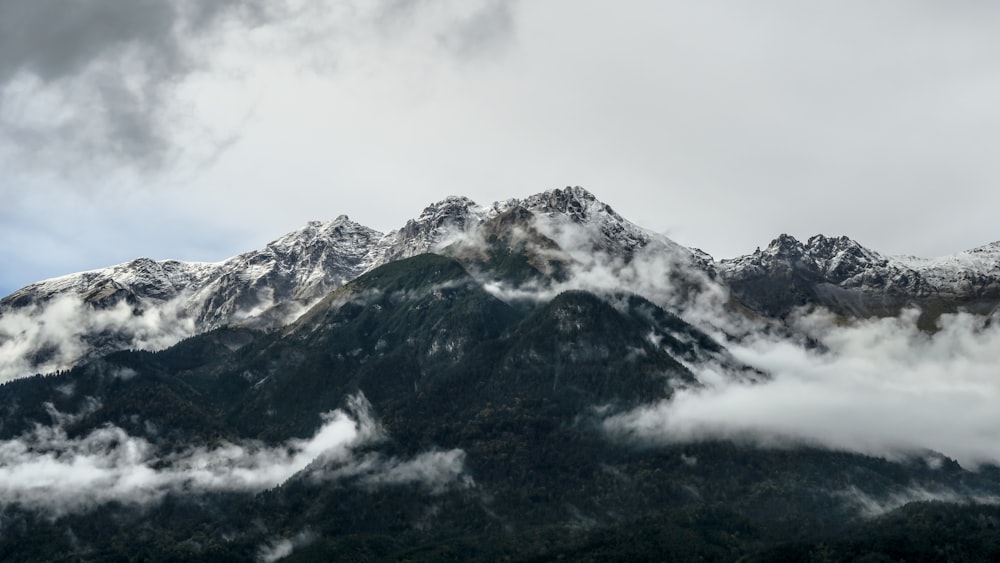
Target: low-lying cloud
(871,506)
(55,335)
(436,471)
(280,548)
(46,470)
(877,386)
(656,268)
(881,387)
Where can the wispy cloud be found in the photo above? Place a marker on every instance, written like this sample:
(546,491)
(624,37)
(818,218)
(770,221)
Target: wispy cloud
(436,471)
(47,470)
(50,335)
(659,270)
(879,386)
(280,548)
(54,335)
(873,505)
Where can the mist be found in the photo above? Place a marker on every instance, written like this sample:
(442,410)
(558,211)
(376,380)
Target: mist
(55,335)
(49,336)
(46,470)
(652,266)
(279,548)
(878,387)
(871,506)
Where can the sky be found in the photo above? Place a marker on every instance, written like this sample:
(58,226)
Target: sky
(196,131)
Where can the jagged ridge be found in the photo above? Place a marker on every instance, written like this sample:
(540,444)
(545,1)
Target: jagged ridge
(151,304)
(156,303)
(841,274)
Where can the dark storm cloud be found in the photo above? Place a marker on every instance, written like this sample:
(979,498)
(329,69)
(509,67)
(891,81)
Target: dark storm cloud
(93,80)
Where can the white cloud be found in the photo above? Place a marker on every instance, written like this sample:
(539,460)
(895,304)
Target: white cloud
(661,271)
(436,471)
(57,334)
(280,548)
(871,506)
(879,387)
(46,470)
(46,337)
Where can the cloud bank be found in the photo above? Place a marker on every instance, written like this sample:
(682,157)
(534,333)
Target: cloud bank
(880,387)
(875,386)
(48,471)
(55,335)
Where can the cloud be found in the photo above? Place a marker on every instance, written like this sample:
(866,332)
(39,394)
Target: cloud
(659,269)
(101,84)
(481,31)
(872,506)
(55,335)
(283,547)
(436,471)
(880,387)
(48,471)
(95,80)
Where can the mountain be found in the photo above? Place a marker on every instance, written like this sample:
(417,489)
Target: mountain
(854,281)
(536,379)
(151,304)
(413,415)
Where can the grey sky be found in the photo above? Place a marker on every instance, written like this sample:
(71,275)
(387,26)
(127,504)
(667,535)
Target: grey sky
(163,129)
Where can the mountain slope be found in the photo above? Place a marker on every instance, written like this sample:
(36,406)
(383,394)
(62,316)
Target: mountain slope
(528,248)
(452,424)
(147,304)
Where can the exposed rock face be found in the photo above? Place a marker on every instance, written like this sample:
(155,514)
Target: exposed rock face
(152,304)
(300,266)
(840,274)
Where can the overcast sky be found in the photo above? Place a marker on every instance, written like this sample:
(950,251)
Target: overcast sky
(167,129)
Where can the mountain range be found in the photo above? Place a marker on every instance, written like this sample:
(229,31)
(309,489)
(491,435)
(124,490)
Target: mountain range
(151,304)
(505,382)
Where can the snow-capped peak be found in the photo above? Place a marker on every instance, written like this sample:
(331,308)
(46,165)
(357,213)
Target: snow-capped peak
(784,245)
(976,270)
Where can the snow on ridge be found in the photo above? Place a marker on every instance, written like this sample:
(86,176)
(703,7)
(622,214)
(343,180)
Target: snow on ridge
(454,217)
(845,262)
(178,275)
(152,304)
(982,262)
